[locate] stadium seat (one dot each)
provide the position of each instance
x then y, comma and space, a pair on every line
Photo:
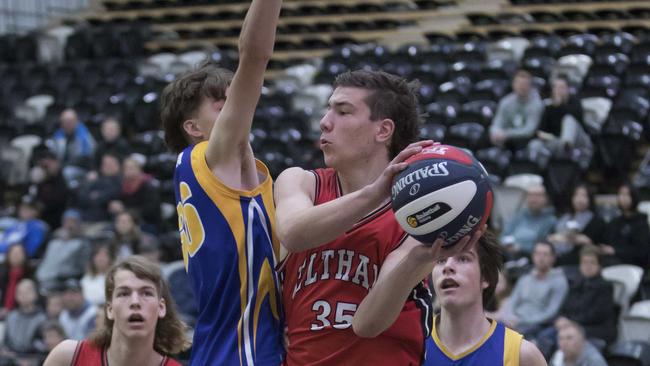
495, 160
471, 135
629, 353
433, 131
616, 144
627, 274
595, 112
508, 199
575, 66
562, 174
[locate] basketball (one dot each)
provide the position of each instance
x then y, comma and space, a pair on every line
443, 193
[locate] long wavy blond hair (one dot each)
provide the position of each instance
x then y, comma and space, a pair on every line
170, 337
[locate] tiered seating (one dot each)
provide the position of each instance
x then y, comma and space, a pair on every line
307, 29
564, 19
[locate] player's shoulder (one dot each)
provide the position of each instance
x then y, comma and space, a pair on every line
529, 354
62, 354
295, 175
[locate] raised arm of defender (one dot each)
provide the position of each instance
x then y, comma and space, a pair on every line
229, 154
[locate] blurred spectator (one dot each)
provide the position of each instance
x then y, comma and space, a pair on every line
137, 194
560, 129
127, 234
579, 227
590, 303
54, 303
72, 142
78, 315
628, 237
67, 253
23, 324
518, 114
538, 295
13, 270
53, 334
574, 349
500, 309
112, 141
177, 277
92, 282
530, 225
50, 188
97, 190
29, 230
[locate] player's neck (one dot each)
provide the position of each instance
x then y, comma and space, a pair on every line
123, 351
355, 176
462, 329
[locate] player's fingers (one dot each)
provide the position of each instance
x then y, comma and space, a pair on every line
406, 153
422, 143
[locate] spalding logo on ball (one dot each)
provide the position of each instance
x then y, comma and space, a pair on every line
443, 193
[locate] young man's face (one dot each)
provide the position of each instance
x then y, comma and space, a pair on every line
457, 280
347, 133
135, 306
209, 110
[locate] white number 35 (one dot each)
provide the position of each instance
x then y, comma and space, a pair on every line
342, 319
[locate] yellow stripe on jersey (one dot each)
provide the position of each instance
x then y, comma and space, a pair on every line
214, 188
511, 347
441, 346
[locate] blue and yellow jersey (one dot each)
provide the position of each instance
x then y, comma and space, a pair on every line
230, 250
499, 347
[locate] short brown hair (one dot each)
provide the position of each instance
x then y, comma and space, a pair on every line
170, 336
490, 259
180, 100
390, 97
590, 250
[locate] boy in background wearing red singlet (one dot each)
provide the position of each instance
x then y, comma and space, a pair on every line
341, 234
141, 326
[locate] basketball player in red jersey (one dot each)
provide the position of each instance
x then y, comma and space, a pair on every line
141, 326
340, 232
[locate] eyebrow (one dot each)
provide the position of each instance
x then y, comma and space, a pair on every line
340, 104
146, 287
469, 252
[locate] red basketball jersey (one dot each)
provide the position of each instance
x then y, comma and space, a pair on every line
324, 286
87, 354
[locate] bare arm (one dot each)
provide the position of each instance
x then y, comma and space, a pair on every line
402, 270
302, 226
228, 153
529, 355
62, 354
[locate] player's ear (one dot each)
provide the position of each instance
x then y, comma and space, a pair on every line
109, 311
484, 284
191, 127
385, 130
162, 308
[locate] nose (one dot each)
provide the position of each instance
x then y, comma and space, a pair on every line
134, 299
449, 266
325, 123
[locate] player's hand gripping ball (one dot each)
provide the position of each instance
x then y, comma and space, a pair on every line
443, 193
